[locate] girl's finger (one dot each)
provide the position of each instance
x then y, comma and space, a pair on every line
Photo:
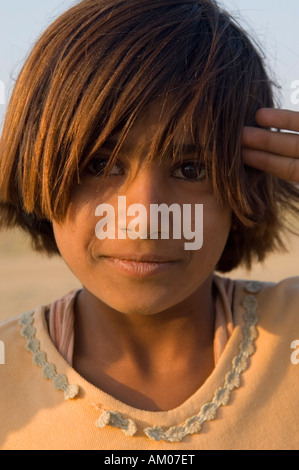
280, 166
278, 118
279, 143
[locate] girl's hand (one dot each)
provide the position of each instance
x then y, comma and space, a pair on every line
271, 151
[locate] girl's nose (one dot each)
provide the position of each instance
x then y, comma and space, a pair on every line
144, 193
148, 186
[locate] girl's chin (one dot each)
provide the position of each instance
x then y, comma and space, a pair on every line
139, 301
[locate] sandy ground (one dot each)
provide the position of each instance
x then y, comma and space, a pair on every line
28, 279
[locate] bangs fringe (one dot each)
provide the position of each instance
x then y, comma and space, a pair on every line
96, 71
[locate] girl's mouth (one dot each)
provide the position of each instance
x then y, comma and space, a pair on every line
137, 268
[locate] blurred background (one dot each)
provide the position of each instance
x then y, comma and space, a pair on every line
28, 279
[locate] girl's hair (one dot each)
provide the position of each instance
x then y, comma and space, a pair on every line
97, 69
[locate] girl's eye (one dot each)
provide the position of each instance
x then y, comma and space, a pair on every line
190, 171
97, 167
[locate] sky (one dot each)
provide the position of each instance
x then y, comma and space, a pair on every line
273, 23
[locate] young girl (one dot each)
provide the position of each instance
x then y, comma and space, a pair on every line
161, 103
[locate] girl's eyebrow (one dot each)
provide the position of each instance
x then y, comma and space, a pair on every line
109, 144
184, 148
189, 148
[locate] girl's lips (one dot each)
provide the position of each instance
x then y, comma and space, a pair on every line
139, 268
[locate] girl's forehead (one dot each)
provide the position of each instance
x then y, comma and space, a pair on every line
146, 128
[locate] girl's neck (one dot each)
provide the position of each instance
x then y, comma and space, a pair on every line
137, 358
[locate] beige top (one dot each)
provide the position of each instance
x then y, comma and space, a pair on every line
61, 320
250, 401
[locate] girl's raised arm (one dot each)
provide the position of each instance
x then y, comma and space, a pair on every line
271, 151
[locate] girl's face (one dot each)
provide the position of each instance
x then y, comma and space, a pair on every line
142, 276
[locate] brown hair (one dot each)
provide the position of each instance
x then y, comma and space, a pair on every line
96, 69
